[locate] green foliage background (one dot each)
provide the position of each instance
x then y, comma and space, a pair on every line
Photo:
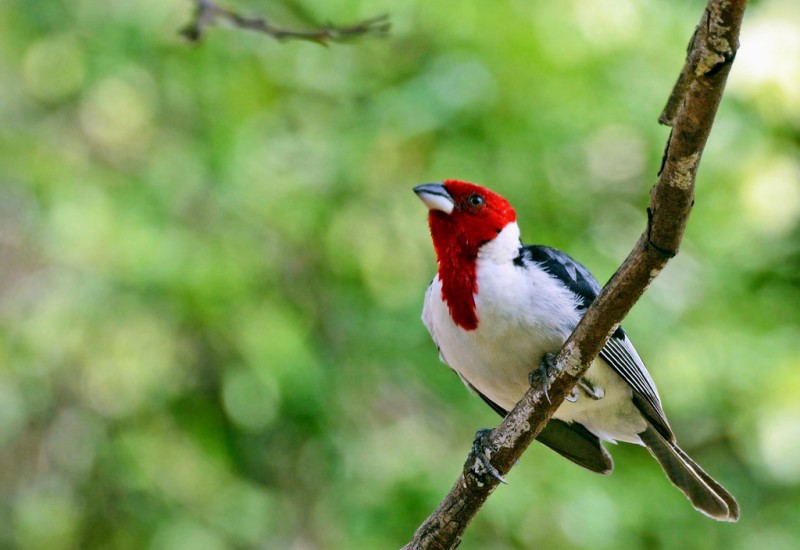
212, 267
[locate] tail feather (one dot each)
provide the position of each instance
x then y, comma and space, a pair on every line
707, 496
733, 506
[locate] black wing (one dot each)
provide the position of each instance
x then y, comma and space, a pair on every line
618, 352
561, 266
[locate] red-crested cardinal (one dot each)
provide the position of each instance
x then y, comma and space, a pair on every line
497, 308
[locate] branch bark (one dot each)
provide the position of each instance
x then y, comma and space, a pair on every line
690, 111
207, 13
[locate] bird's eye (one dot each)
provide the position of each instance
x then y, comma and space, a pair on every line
475, 200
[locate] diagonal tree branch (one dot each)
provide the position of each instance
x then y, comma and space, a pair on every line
690, 111
208, 13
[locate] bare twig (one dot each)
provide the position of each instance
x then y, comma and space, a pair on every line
207, 13
690, 111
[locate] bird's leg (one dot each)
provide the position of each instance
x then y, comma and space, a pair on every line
479, 460
547, 366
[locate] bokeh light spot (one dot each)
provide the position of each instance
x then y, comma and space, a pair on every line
117, 113
251, 401
771, 196
53, 67
779, 442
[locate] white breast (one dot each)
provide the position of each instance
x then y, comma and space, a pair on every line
523, 314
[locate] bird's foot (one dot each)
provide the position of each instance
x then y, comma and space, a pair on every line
547, 367
479, 463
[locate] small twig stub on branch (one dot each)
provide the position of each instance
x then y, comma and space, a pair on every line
208, 13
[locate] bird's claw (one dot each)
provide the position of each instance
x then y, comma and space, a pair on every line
593, 392
479, 462
546, 367
572, 396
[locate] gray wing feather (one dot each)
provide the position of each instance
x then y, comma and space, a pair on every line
622, 357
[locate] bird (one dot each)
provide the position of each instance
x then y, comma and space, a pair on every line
497, 309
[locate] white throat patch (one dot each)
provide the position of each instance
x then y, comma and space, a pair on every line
504, 247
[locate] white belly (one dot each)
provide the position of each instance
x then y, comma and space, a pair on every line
509, 343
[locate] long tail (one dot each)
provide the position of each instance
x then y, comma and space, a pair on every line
707, 496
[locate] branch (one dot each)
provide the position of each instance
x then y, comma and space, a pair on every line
208, 13
690, 112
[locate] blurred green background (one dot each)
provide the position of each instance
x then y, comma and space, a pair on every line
212, 268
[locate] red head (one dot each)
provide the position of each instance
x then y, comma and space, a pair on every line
462, 218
